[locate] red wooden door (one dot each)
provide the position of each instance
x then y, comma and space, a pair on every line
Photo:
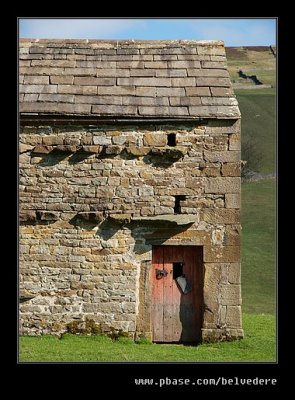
177, 314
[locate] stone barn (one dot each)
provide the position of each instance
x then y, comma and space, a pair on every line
129, 196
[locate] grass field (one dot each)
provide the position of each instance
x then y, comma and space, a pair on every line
258, 246
258, 119
258, 345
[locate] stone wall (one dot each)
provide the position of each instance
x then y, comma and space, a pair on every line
88, 196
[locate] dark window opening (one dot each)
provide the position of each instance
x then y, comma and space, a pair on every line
172, 139
177, 207
177, 269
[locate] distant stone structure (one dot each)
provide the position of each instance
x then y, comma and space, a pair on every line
129, 190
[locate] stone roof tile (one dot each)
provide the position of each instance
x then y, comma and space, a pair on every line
142, 79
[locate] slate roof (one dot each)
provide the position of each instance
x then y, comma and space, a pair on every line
160, 79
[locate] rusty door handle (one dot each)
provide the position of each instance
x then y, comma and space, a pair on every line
160, 273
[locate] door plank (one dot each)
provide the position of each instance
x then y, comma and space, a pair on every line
198, 279
157, 303
176, 294
168, 298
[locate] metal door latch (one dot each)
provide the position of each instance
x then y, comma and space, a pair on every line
160, 273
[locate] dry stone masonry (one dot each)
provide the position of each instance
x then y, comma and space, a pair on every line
125, 145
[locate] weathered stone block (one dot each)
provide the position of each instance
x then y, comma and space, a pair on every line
64, 148
91, 149
52, 140
73, 141
211, 294
220, 216
138, 151
90, 216
234, 316
217, 335
211, 171
232, 235
217, 127
102, 140
47, 216
222, 254
113, 109
27, 216
36, 80
230, 295
197, 91
222, 156
163, 210
222, 185
185, 101
146, 211
234, 273
120, 218
212, 81
85, 80
155, 139
160, 110
233, 200
235, 142
231, 169
113, 150
183, 64
23, 148
39, 149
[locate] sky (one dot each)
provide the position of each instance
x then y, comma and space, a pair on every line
234, 32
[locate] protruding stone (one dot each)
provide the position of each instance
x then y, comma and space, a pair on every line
91, 149
47, 216
65, 148
138, 151
50, 140
121, 218
23, 148
39, 149
93, 216
174, 219
155, 139
28, 216
25, 295
113, 150
168, 152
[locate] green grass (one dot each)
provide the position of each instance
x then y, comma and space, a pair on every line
258, 345
258, 246
258, 119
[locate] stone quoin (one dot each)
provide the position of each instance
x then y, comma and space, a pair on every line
129, 196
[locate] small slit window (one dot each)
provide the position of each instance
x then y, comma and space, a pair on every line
177, 269
177, 207
172, 139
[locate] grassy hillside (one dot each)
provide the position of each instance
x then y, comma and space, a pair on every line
257, 61
258, 246
258, 122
